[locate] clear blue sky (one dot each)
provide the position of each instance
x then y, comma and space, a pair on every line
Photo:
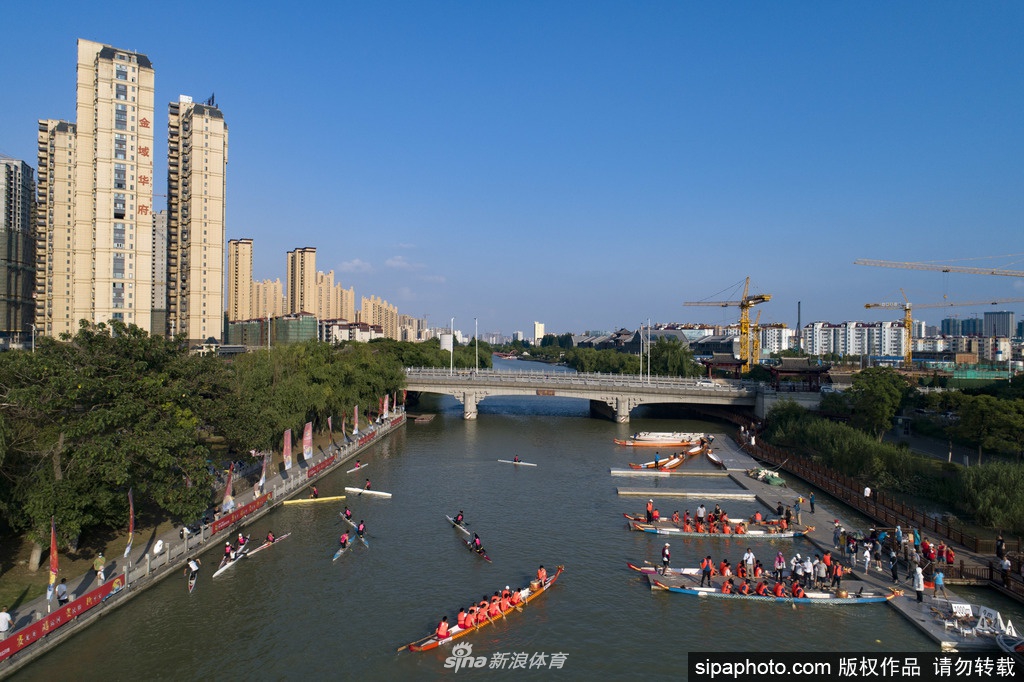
589, 165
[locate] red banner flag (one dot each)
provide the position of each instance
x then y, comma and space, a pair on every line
355, 420
229, 501
330, 428
288, 449
307, 442
53, 559
131, 524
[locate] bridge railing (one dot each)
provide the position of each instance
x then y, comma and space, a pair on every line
575, 379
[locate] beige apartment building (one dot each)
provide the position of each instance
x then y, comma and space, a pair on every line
375, 311
197, 157
241, 287
160, 326
334, 301
301, 281
95, 197
268, 299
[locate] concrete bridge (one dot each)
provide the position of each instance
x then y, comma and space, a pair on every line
611, 395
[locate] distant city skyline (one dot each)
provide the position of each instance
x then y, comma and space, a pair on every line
591, 165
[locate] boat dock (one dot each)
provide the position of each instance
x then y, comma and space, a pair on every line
661, 492
928, 615
670, 472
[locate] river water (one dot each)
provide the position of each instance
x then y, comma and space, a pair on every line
290, 613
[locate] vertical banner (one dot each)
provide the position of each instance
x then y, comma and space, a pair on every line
307, 442
53, 561
386, 399
330, 428
263, 474
355, 420
131, 524
229, 501
288, 449
405, 394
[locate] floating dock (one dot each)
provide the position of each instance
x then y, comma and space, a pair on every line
712, 495
672, 472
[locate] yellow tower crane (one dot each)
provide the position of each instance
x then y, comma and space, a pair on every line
908, 318
744, 304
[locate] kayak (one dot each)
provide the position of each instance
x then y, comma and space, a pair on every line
192, 580
535, 589
457, 525
240, 554
509, 461
482, 555
310, 500
268, 544
342, 550
363, 491
358, 468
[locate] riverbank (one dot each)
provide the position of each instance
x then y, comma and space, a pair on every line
128, 577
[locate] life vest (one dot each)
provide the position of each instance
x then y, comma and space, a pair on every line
706, 565
722, 567
650, 507
470, 619
515, 598
442, 629
726, 529
761, 589
798, 591
758, 571
778, 590
462, 619
542, 575
687, 527
675, 518
505, 604
744, 589
740, 529
757, 517
741, 571
726, 588
656, 516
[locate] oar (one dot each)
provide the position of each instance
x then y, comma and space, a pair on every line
418, 641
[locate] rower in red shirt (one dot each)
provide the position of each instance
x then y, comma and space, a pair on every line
442, 629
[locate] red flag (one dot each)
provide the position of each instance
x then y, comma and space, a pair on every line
53, 559
330, 428
287, 454
131, 523
307, 441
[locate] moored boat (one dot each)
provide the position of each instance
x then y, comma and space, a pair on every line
651, 439
651, 569
535, 590
715, 459
690, 584
675, 530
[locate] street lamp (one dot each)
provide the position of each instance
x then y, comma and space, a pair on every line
476, 338
33, 338
451, 365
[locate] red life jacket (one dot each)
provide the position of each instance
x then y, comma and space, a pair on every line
442, 629
744, 589
798, 591
462, 619
778, 590
761, 589
726, 588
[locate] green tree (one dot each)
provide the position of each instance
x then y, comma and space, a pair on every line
980, 417
876, 396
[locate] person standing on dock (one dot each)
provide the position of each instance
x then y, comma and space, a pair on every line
706, 567
810, 498
940, 584
796, 511
701, 513
666, 555
919, 584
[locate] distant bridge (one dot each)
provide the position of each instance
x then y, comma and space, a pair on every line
610, 395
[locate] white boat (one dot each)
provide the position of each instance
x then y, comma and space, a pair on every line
239, 555
268, 544
363, 491
509, 461
358, 468
667, 436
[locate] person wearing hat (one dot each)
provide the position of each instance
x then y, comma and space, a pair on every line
98, 566
650, 510
665, 556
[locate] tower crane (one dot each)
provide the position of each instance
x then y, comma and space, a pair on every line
908, 319
744, 304
939, 267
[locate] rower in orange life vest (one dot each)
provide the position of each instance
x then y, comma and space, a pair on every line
461, 622
675, 517
481, 609
798, 591
650, 510
516, 598
727, 586
470, 618
344, 540
761, 589
745, 587
442, 628
495, 608
542, 575
656, 516
506, 600
778, 590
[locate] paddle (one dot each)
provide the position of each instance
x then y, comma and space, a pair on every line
418, 641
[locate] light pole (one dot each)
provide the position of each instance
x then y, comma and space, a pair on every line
33, 338
451, 365
476, 338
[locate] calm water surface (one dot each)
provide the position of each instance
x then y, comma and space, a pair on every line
290, 613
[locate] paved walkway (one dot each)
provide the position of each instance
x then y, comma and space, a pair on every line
144, 568
923, 615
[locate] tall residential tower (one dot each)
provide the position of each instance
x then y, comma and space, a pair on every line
197, 157
17, 250
95, 197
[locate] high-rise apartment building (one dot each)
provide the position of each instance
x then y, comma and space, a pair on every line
160, 325
375, 311
95, 197
538, 333
268, 299
17, 250
999, 323
240, 283
334, 302
197, 157
301, 281
94, 214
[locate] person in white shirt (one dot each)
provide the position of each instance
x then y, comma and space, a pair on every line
5, 621
62, 592
749, 560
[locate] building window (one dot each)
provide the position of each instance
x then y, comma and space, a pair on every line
120, 146
119, 205
119, 176
118, 266
121, 116
121, 91
117, 299
118, 235
121, 72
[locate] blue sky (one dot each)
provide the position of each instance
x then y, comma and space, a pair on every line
590, 165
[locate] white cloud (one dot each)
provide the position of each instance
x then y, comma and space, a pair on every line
400, 263
355, 265
436, 279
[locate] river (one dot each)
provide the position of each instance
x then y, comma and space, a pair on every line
290, 613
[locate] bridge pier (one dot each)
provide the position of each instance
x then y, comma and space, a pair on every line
623, 406
469, 401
